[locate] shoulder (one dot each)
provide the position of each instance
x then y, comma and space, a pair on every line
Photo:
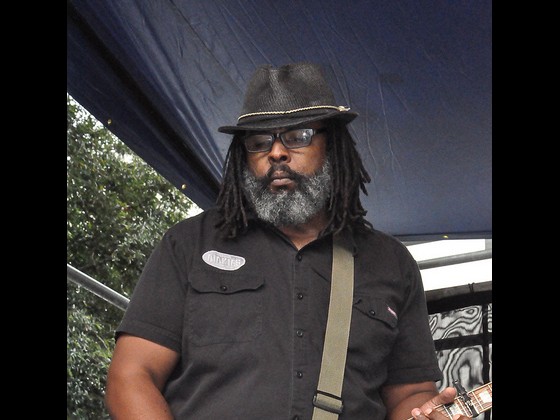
382, 246
207, 219
378, 238
188, 230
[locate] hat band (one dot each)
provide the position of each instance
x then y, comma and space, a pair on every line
307, 108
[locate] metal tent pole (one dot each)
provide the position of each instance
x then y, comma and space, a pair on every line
96, 287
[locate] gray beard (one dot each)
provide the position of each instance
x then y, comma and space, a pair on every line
289, 208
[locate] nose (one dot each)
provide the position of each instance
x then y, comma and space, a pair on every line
278, 152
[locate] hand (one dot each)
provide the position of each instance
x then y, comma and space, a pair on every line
427, 411
435, 415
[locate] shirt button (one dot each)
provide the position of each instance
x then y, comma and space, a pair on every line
299, 374
295, 418
223, 288
300, 296
299, 257
371, 312
299, 333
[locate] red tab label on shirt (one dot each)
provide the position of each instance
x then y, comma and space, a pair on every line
392, 312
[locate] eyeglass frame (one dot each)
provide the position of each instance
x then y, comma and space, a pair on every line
280, 136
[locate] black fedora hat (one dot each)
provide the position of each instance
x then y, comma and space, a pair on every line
287, 96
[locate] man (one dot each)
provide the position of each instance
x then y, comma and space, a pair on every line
228, 319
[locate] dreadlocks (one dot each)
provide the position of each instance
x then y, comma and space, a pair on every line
232, 203
349, 176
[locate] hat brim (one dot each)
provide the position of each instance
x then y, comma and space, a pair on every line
263, 124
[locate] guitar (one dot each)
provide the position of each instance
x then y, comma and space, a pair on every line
469, 404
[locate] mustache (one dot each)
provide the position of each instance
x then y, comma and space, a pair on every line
280, 167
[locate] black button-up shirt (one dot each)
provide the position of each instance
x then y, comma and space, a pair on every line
248, 317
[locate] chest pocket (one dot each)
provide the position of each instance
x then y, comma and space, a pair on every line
373, 332
376, 309
224, 307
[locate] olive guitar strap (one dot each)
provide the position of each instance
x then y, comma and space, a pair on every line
327, 401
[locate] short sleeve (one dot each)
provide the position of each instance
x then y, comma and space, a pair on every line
413, 358
156, 307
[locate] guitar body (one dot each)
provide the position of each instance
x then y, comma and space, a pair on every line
475, 402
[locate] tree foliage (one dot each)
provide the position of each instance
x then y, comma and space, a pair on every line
118, 207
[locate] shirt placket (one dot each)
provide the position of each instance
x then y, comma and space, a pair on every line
300, 372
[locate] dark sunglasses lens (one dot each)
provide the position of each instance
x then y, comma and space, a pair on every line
297, 138
291, 139
258, 142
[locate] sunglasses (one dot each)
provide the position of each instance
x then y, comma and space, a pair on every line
292, 139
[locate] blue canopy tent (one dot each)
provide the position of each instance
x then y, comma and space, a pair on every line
163, 75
